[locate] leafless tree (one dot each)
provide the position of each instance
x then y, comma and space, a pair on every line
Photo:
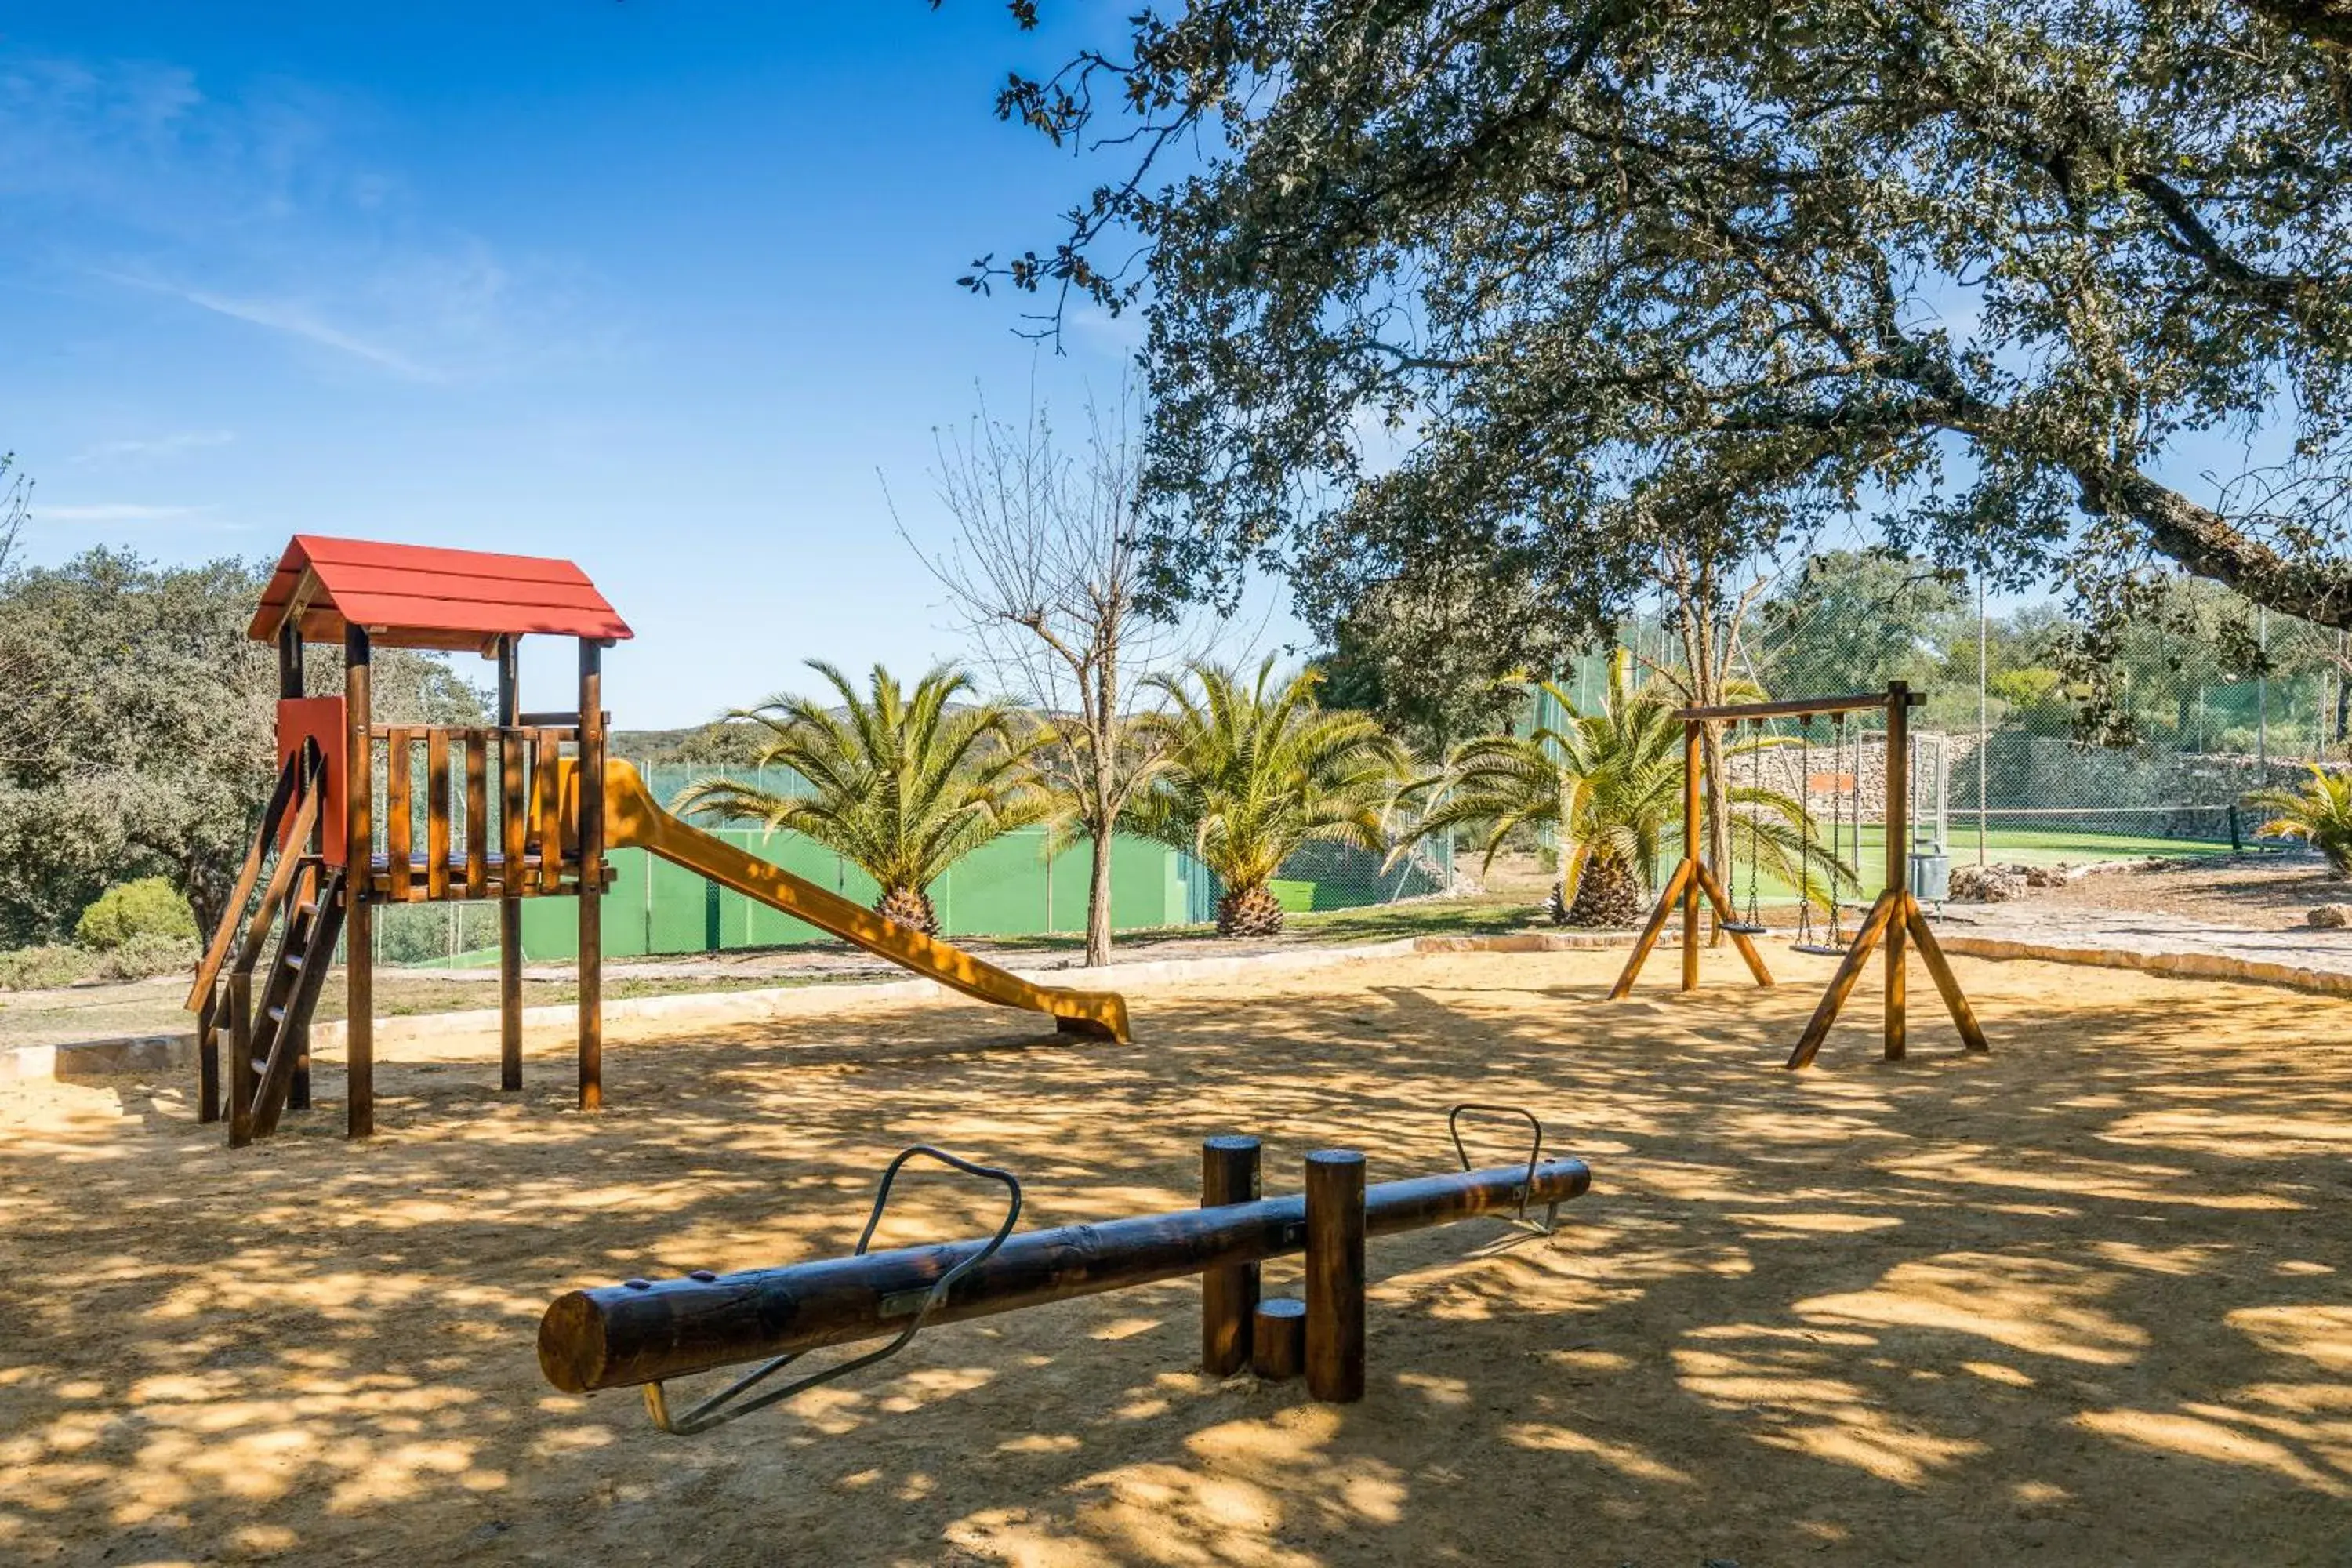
1708, 608
16, 506
1043, 574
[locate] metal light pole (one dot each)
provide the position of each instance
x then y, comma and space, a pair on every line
1984, 722
2263, 695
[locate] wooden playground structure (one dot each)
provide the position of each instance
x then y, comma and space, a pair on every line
643, 1333
1895, 914
526, 807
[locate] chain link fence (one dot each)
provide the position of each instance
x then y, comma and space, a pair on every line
2204, 701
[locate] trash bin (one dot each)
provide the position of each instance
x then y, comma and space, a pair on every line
1931, 875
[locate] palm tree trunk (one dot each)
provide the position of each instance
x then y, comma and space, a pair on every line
908, 907
1249, 912
1610, 894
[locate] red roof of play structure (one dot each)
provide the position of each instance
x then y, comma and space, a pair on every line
409, 595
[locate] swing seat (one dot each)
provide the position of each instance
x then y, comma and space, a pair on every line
1744, 928
1821, 948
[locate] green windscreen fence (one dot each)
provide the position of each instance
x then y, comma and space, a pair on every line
1011, 888
1005, 888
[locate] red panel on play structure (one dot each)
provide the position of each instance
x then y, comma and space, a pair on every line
319, 719
411, 596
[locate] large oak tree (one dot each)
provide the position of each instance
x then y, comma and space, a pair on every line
1699, 270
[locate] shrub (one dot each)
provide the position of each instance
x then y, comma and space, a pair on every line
412, 933
37, 968
2320, 814
150, 906
147, 954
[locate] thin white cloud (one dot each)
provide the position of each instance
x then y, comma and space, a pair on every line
147, 449
115, 511
288, 316
266, 202
1121, 334
292, 317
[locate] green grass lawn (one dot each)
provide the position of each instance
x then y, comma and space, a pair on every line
2002, 846
2046, 846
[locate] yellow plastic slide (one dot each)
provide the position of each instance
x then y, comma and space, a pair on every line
633, 819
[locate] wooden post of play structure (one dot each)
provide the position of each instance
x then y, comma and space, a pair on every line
592, 875
359, 919
1229, 1172
1335, 1276
1691, 754
1278, 1339
1899, 857
510, 867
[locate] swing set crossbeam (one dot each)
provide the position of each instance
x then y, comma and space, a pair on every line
1796, 708
1895, 922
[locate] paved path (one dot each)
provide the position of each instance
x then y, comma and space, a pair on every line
2155, 941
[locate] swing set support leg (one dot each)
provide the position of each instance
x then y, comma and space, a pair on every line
1896, 914
1940, 969
1725, 919
1691, 879
1849, 971
1651, 931
1691, 829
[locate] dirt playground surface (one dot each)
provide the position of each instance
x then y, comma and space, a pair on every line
2079, 1302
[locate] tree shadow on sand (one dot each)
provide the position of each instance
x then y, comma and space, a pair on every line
2080, 1296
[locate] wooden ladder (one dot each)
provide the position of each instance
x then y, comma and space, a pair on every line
269, 1042
303, 902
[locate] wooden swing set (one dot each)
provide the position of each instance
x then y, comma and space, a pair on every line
1895, 918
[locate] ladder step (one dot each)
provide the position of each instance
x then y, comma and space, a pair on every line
295, 960
278, 1014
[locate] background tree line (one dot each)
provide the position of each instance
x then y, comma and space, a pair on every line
138, 735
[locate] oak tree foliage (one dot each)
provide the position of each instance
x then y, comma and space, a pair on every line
1538, 286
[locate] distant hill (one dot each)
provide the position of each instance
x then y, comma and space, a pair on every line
704, 743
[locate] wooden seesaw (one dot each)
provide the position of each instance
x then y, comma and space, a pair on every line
644, 1332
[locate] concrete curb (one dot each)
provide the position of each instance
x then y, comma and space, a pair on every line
96, 1059
2171, 965
168, 1053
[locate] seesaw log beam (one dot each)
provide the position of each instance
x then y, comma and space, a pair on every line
616, 1336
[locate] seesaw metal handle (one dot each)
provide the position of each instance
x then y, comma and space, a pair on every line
1534, 1156
731, 1401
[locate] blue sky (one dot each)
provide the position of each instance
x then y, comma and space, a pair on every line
656, 285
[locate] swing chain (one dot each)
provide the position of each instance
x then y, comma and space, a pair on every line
1832, 943
1753, 924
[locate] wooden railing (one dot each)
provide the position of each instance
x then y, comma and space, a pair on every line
492, 817
272, 818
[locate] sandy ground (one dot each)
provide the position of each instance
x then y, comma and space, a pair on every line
158, 1006
2081, 1301
94, 1010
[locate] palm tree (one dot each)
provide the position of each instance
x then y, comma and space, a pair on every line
2320, 814
1248, 773
902, 784
1609, 786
